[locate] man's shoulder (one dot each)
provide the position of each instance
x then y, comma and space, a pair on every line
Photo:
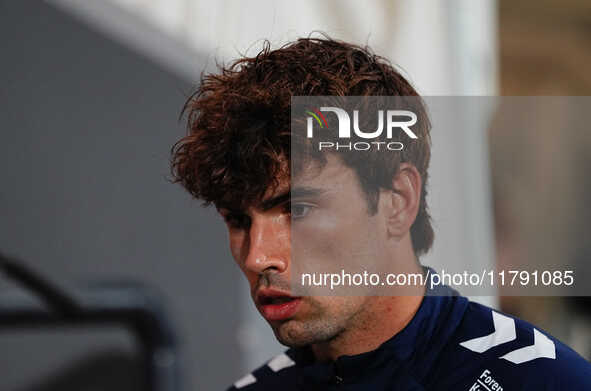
490, 347
277, 373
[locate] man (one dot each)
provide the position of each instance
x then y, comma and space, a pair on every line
243, 155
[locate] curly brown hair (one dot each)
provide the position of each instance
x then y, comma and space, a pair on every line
239, 123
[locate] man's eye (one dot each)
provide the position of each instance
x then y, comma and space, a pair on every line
300, 210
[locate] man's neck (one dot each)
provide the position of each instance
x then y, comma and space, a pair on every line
382, 318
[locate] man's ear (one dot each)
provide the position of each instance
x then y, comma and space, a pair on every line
403, 200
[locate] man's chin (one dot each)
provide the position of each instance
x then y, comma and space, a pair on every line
291, 334
295, 334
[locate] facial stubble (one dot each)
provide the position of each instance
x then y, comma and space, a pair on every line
318, 324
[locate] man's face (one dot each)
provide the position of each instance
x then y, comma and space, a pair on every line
327, 212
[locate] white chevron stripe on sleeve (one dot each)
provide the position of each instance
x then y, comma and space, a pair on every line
246, 380
504, 332
542, 347
280, 362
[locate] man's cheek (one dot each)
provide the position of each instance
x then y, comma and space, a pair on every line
236, 247
235, 254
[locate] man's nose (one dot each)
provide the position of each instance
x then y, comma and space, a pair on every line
268, 246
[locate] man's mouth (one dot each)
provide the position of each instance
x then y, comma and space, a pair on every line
276, 305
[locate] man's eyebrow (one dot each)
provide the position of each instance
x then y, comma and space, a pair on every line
306, 191
274, 201
298, 192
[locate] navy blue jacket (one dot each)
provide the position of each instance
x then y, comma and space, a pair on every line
450, 344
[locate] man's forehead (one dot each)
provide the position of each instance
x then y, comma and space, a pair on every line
278, 188
280, 185
314, 179
321, 173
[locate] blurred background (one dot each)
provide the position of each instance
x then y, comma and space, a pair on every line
91, 97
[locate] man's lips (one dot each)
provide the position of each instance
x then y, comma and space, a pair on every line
276, 305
